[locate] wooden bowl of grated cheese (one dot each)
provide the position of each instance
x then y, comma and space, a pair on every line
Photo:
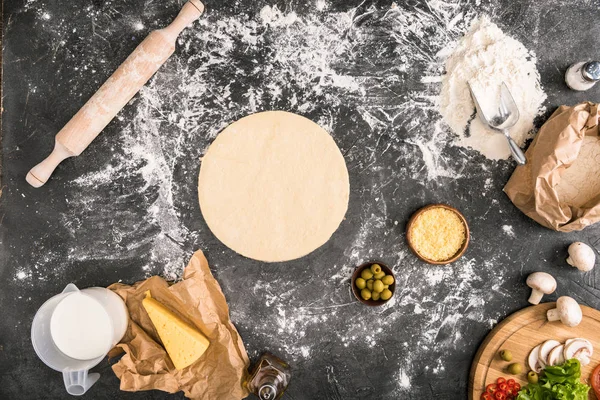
438, 234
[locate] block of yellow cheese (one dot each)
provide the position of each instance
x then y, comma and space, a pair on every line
183, 342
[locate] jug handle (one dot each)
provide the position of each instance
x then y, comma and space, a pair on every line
78, 382
70, 288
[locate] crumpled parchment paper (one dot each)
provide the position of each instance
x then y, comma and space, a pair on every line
556, 146
218, 374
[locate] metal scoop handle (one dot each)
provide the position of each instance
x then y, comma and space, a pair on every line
516, 151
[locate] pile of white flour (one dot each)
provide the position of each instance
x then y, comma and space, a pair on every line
486, 57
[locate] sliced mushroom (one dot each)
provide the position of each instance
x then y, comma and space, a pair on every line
568, 341
535, 364
545, 349
579, 349
556, 356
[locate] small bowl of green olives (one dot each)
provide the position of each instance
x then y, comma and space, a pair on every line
373, 283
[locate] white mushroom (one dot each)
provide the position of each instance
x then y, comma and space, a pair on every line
580, 349
545, 350
540, 283
581, 256
567, 311
556, 357
535, 364
569, 341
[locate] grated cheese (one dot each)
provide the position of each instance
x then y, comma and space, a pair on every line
437, 234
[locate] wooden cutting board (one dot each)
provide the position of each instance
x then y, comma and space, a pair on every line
520, 333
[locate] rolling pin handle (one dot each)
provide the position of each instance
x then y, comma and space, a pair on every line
191, 11
40, 174
199, 5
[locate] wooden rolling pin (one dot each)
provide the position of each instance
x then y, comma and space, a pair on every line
112, 96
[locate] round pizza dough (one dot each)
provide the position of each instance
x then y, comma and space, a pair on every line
273, 186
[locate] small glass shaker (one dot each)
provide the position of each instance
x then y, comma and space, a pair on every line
583, 75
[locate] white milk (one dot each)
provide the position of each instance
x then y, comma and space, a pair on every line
81, 328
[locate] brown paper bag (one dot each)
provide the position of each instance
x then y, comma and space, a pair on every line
556, 146
218, 374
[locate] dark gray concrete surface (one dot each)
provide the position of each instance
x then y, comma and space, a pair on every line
123, 213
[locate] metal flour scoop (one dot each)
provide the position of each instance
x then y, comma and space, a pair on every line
506, 117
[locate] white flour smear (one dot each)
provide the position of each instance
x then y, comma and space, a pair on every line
508, 230
485, 57
437, 304
309, 65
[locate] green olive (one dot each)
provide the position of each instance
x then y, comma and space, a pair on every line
387, 280
370, 285
532, 377
366, 274
360, 283
365, 294
378, 286
506, 355
375, 296
375, 268
379, 275
515, 368
386, 294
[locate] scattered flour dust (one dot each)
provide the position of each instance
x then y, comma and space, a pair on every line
508, 230
580, 182
22, 275
315, 65
485, 57
309, 64
403, 379
437, 304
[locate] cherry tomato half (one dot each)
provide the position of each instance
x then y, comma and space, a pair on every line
486, 396
511, 383
500, 395
491, 388
500, 380
503, 386
595, 381
517, 386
